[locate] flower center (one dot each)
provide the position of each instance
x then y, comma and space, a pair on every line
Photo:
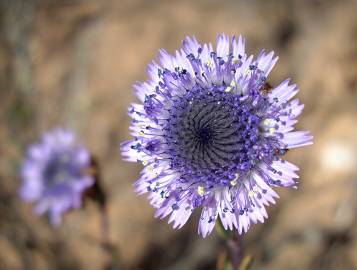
204, 135
211, 131
59, 170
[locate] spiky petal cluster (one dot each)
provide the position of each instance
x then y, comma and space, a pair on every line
53, 174
211, 133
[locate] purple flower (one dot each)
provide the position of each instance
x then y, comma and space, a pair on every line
53, 174
211, 133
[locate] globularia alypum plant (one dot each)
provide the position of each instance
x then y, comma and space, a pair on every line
54, 174
210, 130
211, 133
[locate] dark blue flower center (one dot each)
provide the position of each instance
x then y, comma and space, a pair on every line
59, 169
214, 134
204, 135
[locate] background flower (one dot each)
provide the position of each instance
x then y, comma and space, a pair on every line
211, 132
53, 174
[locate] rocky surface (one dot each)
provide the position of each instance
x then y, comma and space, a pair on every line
72, 63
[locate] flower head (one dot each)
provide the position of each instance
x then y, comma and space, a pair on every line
211, 132
53, 174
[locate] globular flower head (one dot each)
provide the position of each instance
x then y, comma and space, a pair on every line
211, 132
53, 174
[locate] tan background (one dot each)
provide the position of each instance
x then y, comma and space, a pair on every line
72, 63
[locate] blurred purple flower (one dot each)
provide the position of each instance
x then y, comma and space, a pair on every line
53, 174
211, 133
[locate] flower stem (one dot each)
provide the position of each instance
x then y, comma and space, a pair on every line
235, 259
97, 194
235, 251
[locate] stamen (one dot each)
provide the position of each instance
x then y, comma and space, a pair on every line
144, 162
201, 190
272, 130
